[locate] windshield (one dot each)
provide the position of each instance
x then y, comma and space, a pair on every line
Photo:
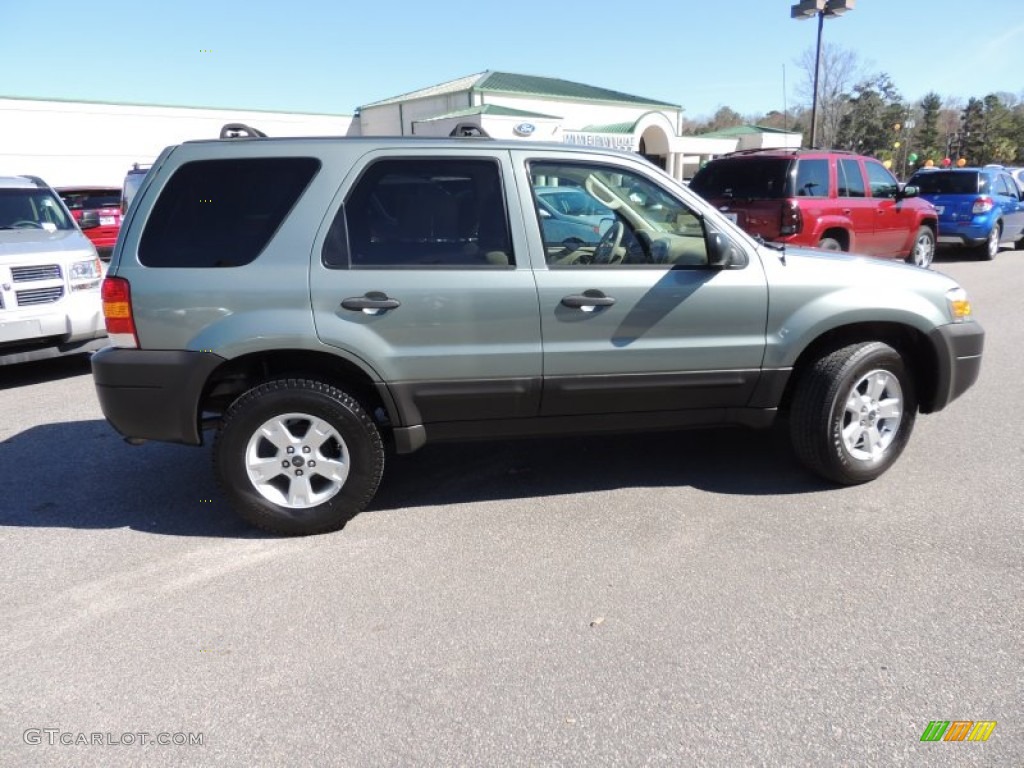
32, 208
749, 178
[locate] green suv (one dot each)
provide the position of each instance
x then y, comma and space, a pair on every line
320, 302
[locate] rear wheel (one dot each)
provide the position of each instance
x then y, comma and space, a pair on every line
923, 252
988, 250
853, 412
298, 457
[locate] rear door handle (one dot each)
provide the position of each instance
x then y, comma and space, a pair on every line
372, 303
587, 301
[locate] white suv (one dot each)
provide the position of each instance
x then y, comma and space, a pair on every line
50, 276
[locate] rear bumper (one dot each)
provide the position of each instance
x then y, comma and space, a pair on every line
958, 349
153, 394
970, 233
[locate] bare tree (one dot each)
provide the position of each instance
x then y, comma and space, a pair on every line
840, 70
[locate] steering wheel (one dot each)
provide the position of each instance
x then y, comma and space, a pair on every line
25, 224
607, 249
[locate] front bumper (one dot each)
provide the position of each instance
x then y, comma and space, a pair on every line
958, 349
153, 394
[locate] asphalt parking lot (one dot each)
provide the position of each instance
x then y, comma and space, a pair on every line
679, 599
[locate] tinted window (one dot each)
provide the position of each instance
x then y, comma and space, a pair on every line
811, 178
883, 183
946, 182
762, 178
222, 213
851, 180
1003, 187
91, 199
423, 213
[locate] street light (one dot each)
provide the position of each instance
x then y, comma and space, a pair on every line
808, 9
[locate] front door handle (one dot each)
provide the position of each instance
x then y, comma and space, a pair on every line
372, 303
587, 301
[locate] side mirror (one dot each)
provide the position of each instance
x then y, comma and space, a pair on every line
89, 220
723, 252
544, 214
908, 190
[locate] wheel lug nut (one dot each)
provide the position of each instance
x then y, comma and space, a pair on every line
305, 449
298, 473
311, 463
291, 449
286, 463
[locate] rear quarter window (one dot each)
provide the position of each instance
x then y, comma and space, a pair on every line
222, 213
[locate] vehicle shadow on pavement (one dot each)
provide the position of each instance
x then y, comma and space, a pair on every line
38, 371
91, 479
728, 461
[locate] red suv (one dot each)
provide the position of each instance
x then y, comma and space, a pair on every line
98, 213
823, 198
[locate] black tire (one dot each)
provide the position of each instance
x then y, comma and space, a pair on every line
820, 412
987, 251
922, 253
347, 442
830, 244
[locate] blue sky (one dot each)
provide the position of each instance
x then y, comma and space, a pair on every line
317, 56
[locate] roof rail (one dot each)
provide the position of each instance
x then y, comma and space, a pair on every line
240, 131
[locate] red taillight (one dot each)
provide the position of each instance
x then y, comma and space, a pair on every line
792, 221
982, 205
117, 311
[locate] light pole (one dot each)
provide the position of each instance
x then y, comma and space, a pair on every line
808, 9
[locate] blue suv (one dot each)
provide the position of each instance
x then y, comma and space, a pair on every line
979, 208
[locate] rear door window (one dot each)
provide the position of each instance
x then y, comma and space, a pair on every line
222, 213
851, 180
417, 213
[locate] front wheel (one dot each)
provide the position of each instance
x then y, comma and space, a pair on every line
830, 244
853, 412
298, 457
923, 252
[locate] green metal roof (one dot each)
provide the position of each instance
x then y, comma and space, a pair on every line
489, 109
63, 100
744, 130
552, 87
610, 128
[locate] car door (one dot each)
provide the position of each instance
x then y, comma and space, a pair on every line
1008, 198
856, 205
895, 222
641, 322
418, 270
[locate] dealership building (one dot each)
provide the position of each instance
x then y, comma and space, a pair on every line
74, 142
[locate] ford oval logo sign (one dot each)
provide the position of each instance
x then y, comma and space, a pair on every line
524, 129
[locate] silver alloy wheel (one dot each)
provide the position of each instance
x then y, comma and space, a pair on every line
297, 461
992, 244
873, 412
924, 250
